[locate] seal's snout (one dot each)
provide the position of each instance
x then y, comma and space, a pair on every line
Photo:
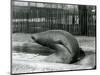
33, 38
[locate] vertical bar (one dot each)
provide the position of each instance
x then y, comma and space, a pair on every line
49, 15
68, 20
73, 20
36, 17
45, 16
63, 14
58, 21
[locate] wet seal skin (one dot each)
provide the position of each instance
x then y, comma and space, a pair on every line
66, 46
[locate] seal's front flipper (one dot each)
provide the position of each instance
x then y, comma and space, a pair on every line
61, 55
62, 43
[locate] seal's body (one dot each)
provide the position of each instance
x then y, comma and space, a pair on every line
66, 46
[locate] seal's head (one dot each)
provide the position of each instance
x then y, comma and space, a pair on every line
38, 40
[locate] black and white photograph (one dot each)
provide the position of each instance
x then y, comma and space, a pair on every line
52, 37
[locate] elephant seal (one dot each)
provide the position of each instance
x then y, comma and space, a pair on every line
66, 47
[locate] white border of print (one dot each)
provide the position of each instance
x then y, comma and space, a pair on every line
5, 37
